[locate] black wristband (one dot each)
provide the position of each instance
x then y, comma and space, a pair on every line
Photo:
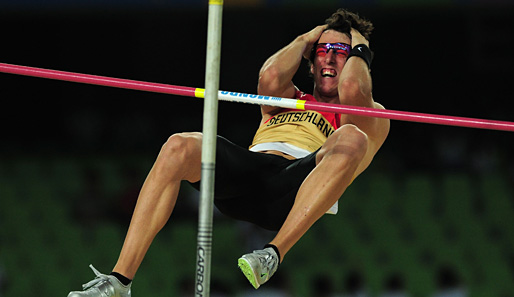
362, 51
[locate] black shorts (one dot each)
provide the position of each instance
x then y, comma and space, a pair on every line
256, 187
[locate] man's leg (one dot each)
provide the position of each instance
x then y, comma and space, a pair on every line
336, 164
179, 159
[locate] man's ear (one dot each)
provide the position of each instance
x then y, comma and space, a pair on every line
312, 68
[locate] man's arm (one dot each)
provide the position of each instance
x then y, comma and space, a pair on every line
355, 88
275, 76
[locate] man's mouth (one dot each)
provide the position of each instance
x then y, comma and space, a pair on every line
326, 72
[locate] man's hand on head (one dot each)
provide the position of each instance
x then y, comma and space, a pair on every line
357, 38
310, 38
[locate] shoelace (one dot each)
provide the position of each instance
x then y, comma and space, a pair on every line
99, 278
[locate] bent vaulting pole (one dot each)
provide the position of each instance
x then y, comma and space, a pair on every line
210, 118
255, 99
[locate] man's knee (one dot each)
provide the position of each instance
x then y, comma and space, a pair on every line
348, 143
180, 157
356, 137
182, 146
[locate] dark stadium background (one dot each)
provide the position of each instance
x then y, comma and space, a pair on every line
434, 210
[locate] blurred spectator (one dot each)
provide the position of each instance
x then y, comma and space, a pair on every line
395, 286
322, 286
449, 284
354, 285
220, 288
187, 286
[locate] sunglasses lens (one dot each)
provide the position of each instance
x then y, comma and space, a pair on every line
340, 49
321, 50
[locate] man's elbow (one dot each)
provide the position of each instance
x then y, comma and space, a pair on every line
269, 81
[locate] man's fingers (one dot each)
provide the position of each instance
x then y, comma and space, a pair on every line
312, 37
357, 37
316, 32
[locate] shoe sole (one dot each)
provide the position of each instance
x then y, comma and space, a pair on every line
247, 270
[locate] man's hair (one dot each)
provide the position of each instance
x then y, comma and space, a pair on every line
343, 21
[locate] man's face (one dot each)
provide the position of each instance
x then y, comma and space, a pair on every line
329, 61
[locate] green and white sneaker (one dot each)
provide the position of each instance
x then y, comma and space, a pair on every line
259, 266
103, 286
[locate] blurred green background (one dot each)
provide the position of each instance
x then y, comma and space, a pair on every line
433, 214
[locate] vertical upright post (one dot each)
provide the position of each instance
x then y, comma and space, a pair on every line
210, 117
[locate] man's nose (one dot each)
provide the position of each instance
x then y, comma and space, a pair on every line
330, 56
